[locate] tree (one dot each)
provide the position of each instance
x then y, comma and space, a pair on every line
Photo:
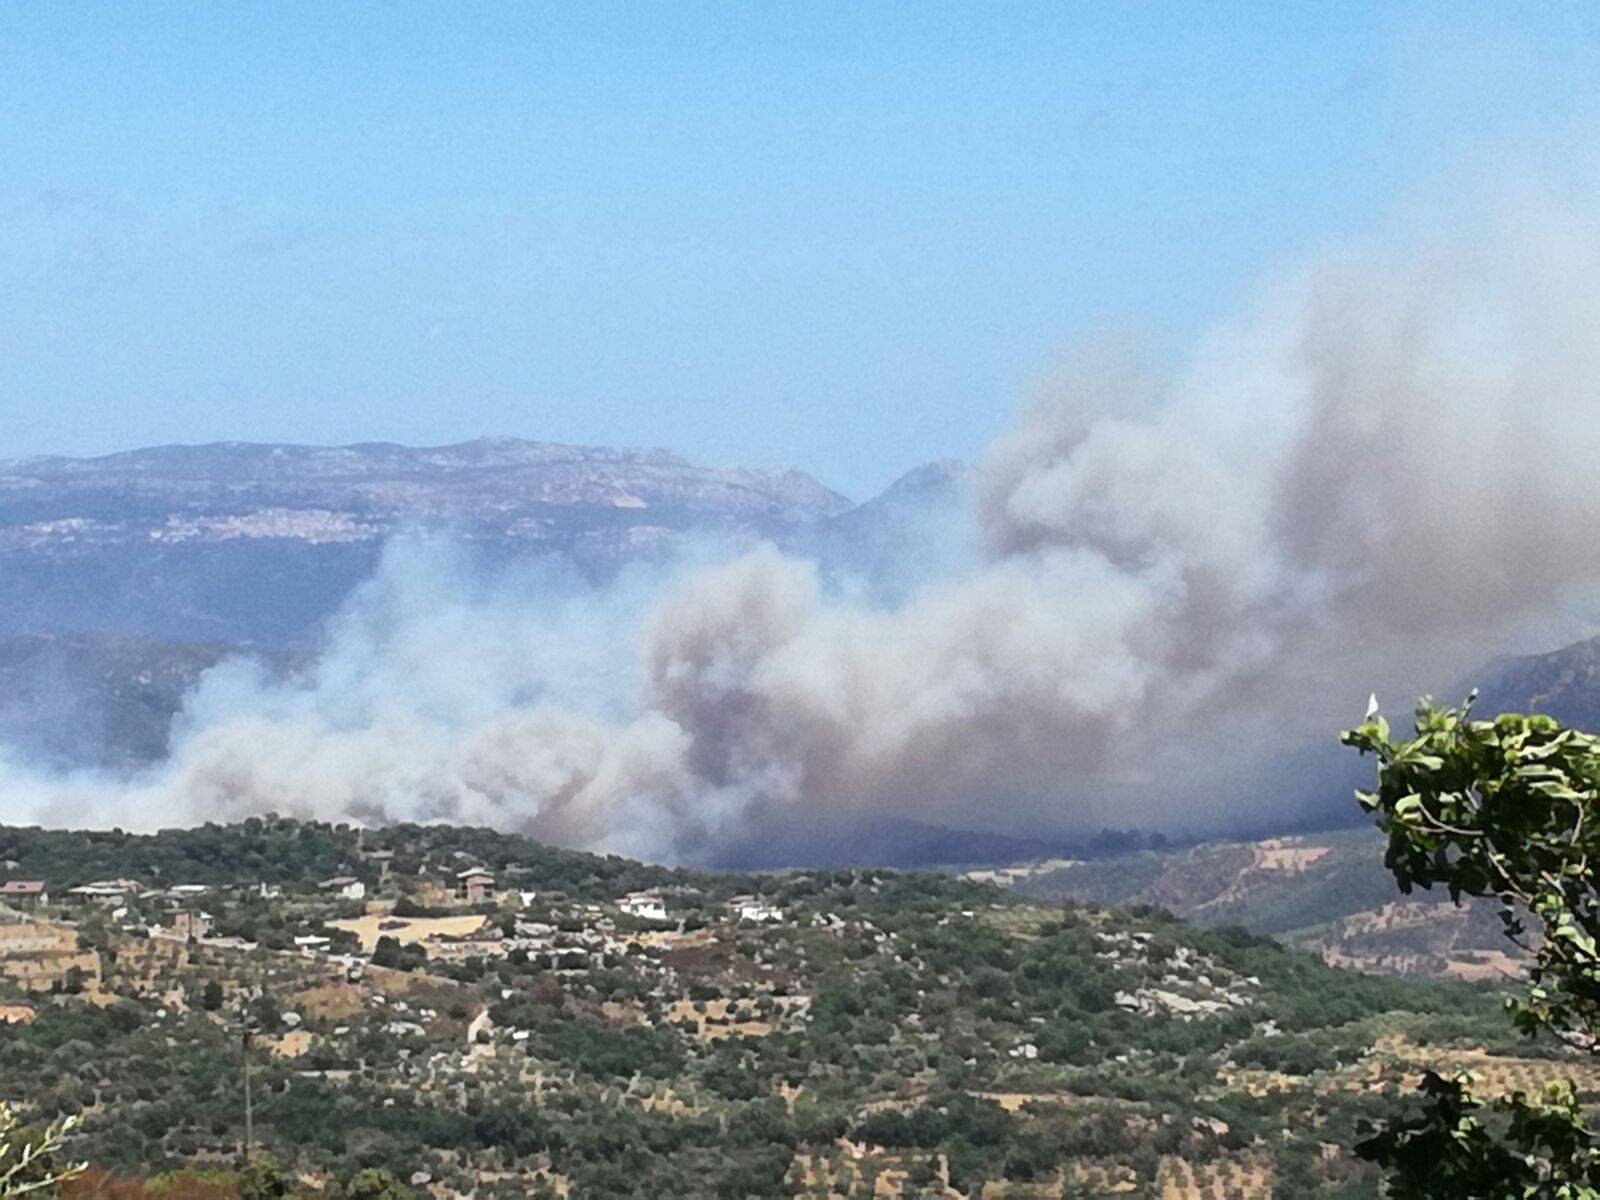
386, 952
30, 1159
376, 1184
211, 996
264, 1179
1508, 810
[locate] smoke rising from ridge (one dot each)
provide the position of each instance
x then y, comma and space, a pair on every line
1380, 476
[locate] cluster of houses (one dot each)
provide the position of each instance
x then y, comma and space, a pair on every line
651, 906
107, 893
569, 950
111, 893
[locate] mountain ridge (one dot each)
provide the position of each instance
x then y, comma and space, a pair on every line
260, 542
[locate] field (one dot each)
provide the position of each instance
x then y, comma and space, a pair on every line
405, 930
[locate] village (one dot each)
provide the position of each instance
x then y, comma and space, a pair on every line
48, 933
482, 1015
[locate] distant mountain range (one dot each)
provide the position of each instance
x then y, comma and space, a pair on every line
123, 577
237, 543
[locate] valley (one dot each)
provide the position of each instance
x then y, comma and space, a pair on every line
1325, 893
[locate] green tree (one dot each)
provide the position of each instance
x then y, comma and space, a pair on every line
386, 952
1508, 810
264, 1179
376, 1184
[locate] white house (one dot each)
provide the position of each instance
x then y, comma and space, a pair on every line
107, 893
753, 908
646, 905
347, 886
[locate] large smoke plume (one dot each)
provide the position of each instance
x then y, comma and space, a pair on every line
1379, 476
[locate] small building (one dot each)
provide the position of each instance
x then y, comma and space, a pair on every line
24, 891
645, 905
105, 893
486, 941
753, 908
347, 887
475, 885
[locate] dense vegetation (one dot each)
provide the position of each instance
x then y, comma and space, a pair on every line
951, 1033
1507, 810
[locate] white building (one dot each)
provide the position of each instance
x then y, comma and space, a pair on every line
646, 905
753, 908
106, 892
346, 886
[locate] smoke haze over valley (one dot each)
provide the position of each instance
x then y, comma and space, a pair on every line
1150, 604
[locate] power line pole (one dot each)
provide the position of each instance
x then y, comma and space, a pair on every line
249, 1121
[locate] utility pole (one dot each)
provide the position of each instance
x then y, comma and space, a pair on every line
249, 1116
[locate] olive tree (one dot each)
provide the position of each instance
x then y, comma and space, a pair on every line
1507, 810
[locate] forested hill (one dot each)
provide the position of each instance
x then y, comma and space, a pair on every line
480, 1015
285, 851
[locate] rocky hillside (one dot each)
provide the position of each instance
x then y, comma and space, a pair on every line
1564, 683
256, 543
1328, 893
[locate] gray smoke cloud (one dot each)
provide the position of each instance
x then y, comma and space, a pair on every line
1379, 476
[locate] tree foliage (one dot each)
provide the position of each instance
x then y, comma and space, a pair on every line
1509, 810
376, 1184
30, 1159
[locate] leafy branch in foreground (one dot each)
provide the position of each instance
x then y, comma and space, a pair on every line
29, 1159
1504, 809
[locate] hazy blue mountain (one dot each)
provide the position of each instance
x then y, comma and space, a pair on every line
122, 578
257, 543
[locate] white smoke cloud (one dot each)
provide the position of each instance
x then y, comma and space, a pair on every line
1378, 478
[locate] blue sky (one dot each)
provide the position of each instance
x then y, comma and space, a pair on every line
845, 236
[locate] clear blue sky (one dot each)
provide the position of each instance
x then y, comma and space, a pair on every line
839, 235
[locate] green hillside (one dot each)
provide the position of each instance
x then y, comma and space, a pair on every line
1328, 893
801, 1033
